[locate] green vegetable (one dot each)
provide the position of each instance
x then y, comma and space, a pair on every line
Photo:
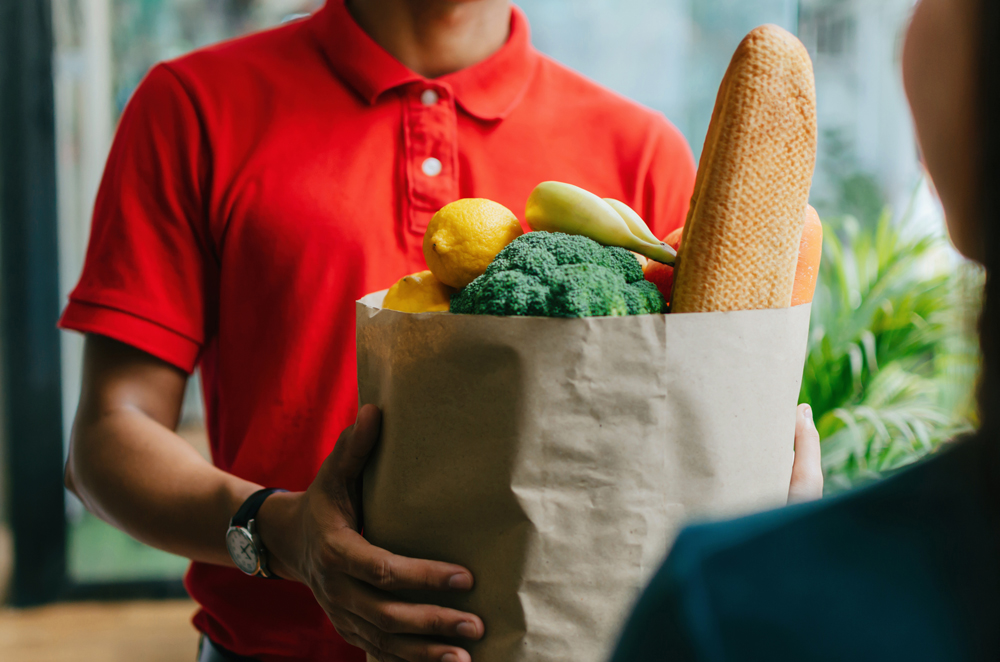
550, 274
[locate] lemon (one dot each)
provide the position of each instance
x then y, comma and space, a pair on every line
464, 237
419, 293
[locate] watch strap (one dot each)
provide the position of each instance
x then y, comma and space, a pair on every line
248, 510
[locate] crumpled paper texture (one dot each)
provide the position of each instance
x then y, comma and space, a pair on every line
557, 458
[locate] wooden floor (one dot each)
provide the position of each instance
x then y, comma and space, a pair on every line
105, 632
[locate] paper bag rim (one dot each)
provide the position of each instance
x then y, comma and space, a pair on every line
373, 302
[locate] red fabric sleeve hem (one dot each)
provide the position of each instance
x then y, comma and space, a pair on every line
163, 343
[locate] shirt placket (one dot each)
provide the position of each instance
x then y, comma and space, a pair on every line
430, 143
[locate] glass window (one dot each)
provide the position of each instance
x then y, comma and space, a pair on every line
667, 54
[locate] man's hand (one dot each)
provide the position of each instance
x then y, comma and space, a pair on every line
130, 404
313, 537
807, 470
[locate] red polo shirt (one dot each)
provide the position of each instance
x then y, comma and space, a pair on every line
257, 188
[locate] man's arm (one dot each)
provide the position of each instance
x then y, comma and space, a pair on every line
129, 468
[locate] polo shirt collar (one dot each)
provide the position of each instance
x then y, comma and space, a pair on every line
488, 90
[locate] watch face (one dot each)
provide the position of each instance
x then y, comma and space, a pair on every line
242, 549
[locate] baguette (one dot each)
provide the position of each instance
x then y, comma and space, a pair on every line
741, 239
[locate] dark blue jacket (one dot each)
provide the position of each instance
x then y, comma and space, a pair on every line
907, 569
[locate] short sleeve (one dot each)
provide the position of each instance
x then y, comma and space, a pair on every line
150, 265
669, 180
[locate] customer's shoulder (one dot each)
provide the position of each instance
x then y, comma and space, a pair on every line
914, 555
952, 479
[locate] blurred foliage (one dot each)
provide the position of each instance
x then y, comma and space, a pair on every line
893, 353
856, 193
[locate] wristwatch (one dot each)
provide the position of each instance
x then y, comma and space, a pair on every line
244, 544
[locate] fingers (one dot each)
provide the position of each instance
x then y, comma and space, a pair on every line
392, 616
384, 626
355, 444
389, 572
393, 648
807, 470
352, 577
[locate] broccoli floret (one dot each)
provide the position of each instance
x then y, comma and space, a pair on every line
644, 298
526, 257
511, 293
464, 301
569, 249
621, 262
587, 290
550, 274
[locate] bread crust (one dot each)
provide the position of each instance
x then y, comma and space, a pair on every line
741, 239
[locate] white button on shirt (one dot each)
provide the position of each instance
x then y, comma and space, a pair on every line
430, 137
429, 97
431, 167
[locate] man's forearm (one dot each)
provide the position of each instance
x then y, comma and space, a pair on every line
141, 477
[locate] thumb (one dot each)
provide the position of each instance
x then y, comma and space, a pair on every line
355, 445
807, 470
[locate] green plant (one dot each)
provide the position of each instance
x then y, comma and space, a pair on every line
892, 356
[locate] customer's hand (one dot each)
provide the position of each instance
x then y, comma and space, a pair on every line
807, 470
313, 537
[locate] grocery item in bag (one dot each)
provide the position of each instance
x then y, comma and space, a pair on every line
741, 239
557, 458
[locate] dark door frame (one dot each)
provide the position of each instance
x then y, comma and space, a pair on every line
29, 302
30, 379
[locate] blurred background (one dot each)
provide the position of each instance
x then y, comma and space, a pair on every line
892, 362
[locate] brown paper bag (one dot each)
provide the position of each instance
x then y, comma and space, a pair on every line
557, 458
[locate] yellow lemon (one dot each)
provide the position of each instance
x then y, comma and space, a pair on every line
464, 237
419, 293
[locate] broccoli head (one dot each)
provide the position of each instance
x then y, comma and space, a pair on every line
550, 274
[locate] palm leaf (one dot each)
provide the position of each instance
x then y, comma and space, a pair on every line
892, 354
